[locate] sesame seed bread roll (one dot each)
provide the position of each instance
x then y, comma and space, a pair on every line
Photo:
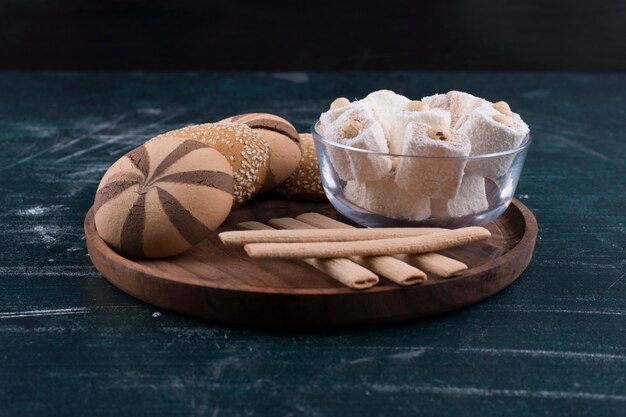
247, 153
305, 183
163, 197
282, 139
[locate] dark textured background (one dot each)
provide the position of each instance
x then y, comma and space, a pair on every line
552, 35
552, 344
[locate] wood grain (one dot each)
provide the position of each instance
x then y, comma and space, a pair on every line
217, 282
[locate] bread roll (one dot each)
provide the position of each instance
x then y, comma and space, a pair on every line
163, 197
247, 153
282, 139
305, 183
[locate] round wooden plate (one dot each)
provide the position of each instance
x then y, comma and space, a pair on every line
215, 282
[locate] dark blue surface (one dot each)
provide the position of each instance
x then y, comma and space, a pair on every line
552, 344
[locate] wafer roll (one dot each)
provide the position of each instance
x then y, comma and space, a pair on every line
342, 270
387, 266
431, 262
435, 263
241, 237
289, 223
322, 222
419, 244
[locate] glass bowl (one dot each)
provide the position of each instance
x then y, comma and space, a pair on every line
376, 189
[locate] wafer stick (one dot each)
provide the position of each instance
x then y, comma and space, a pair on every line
432, 262
323, 222
343, 270
289, 223
240, 237
436, 263
394, 269
418, 244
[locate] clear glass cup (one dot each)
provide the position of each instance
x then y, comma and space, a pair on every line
377, 189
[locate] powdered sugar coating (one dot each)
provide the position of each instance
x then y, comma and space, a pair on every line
360, 166
439, 101
487, 136
435, 178
385, 104
385, 198
471, 198
432, 117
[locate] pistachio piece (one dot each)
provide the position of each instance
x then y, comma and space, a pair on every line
351, 128
503, 107
504, 119
416, 105
339, 102
394, 164
438, 134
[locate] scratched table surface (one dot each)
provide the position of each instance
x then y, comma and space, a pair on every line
71, 344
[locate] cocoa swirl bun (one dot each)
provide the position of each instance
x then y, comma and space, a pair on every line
163, 197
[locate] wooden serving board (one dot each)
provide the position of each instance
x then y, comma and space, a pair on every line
215, 282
